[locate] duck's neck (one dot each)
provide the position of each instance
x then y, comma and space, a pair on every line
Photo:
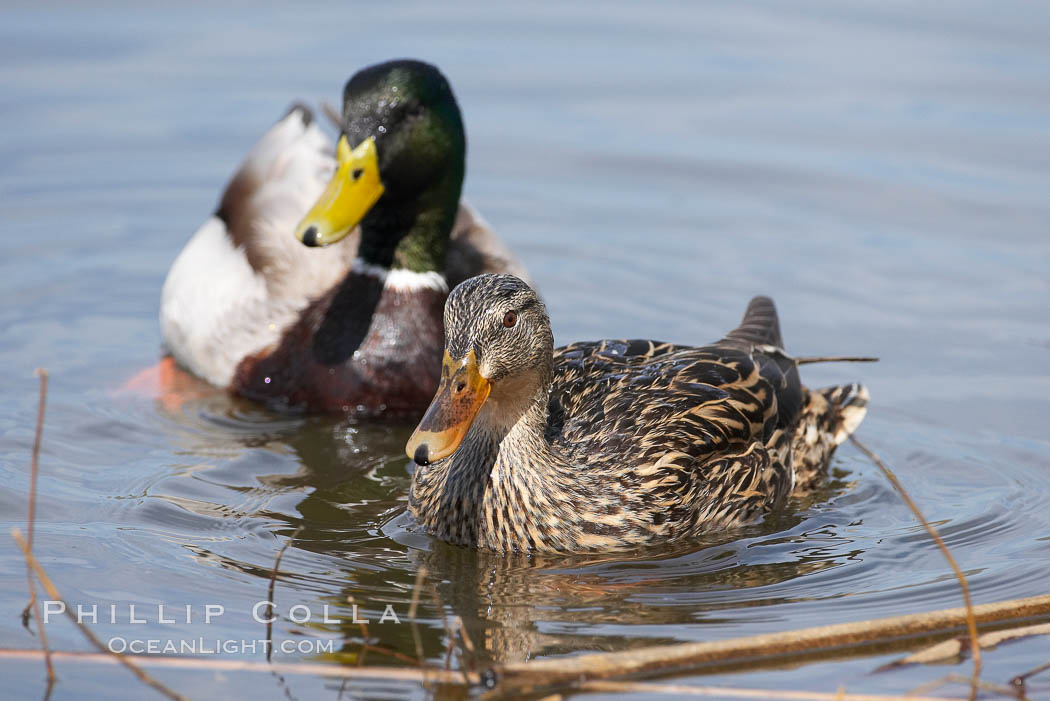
516, 427
506, 440
475, 496
412, 235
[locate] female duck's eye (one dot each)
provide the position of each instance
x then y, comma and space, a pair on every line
510, 318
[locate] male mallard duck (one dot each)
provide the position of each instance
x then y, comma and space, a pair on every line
355, 327
611, 444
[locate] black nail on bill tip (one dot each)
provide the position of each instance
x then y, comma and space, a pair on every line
422, 456
310, 236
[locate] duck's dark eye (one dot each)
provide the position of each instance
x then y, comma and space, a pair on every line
510, 318
414, 110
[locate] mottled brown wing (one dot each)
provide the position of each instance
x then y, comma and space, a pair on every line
734, 488
694, 422
708, 424
636, 397
586, 374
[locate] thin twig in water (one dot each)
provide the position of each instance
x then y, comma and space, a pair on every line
364, 631
421, 578
752, 652
944, 651
971, 620
806, 360
269, 594
467, 642
34, 469
960, 679
390, 653
444, 622
437, 604
1018, 682
362, 622
413, 607
725, 692
53, 592
467, 660
450, 645
37, 437
405, 674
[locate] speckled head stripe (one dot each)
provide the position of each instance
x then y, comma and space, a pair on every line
474, 316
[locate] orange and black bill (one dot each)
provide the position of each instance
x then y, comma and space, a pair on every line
459, 398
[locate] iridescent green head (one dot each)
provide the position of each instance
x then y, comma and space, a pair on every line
401, 159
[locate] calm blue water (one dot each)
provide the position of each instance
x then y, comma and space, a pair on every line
880, 169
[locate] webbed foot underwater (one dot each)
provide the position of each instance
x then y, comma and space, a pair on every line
611, 444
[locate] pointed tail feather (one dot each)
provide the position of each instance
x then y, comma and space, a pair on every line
760, 325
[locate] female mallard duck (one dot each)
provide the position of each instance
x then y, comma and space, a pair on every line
611, 444
356, 327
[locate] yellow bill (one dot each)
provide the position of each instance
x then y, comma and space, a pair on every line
349, 195
459, 398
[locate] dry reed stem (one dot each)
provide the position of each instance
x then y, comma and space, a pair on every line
417, 675
37, 437
754, 651
53, 592
971, 621
724, 692
269, 593
949, 649
34, 470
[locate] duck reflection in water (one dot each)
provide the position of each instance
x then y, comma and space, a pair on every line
347, 492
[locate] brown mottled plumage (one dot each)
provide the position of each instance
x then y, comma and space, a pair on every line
613, 444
